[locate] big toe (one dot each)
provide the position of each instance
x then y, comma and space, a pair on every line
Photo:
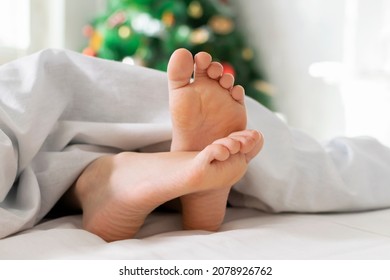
251, 142
180, 68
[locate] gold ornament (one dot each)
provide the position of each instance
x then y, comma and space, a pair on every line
221, 25
247, 54
264, 87
195, 9
168, 18
199, 36
124, 32
96, 41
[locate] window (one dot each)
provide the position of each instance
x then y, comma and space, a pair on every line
14, 28
27, 26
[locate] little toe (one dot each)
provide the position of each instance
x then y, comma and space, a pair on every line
202, 63
238, 94
227, 81
215, 70
180, 68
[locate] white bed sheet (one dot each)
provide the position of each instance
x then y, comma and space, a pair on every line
246, 234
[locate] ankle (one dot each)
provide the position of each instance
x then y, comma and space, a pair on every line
81, 189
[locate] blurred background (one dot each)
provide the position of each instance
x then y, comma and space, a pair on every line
322, 65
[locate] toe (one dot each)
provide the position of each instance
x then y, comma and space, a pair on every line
214, 152
259, 142
249, 140
238, 94
202, 63
231, 144
180, 68
227, 81
215, 70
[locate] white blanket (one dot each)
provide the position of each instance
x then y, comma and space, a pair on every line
60, 110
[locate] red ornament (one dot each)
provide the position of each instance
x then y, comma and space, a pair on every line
88, 31
89, 51
117, 19
228, 68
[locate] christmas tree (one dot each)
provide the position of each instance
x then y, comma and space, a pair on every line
146, 32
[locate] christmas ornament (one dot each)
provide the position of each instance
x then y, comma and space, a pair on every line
195, 9
247, 54
89, 51
264, 87
168, 18
170, 12
200, 36
117, 19
124, 32
221, 25
228, 68
88, 31
96, 41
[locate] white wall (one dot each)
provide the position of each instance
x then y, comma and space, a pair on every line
290, 36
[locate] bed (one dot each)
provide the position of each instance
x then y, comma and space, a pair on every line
245, 234
276, 208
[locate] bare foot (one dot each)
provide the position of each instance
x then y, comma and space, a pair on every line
205, 210
117, 192
203, 110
